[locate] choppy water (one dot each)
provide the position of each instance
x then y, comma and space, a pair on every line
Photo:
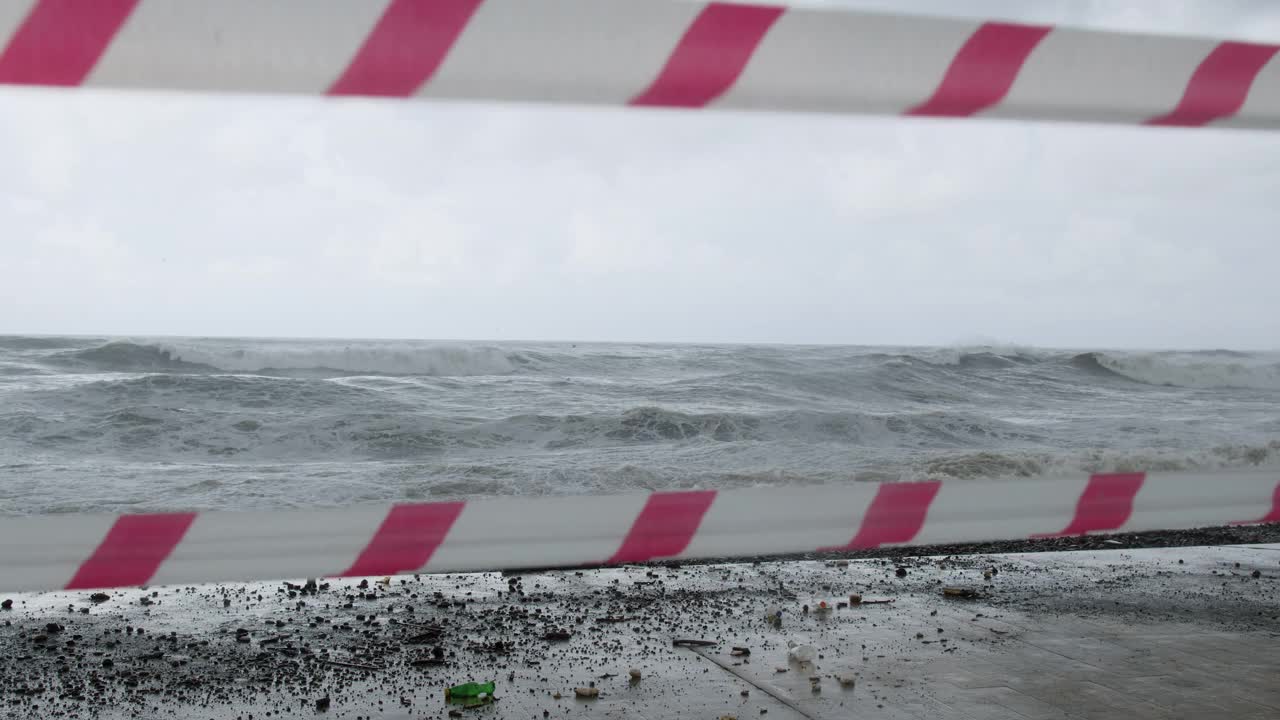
96, 424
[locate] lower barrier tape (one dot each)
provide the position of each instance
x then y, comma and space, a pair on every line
73, 552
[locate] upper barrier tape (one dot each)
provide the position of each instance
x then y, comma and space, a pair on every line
81, 552
650, 53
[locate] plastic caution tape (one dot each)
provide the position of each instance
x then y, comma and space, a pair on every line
650, 53
81, 552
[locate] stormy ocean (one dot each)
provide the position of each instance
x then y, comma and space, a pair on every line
116, 424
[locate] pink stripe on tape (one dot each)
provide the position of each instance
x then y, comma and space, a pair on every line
407, 539
665, 526
61, 40
710, 56
1220, 85
405, 48
895, 515
1274, 515
1105, 504
983, 71
132, 551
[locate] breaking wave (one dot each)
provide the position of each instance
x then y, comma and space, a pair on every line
1024, 464
129, 357
1186, 370
308, 359
177, 415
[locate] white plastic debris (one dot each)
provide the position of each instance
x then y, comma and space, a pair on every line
799, 650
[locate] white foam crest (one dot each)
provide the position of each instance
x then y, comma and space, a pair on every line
374, 359
1199, 370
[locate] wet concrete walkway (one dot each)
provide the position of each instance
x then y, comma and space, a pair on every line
1169, 633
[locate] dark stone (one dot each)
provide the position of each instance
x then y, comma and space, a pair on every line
99, 597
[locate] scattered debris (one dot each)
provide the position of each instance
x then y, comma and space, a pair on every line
356, 666
417, 635
685, 642
469, 690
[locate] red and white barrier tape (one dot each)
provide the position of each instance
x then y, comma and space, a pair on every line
651, 53
80, 552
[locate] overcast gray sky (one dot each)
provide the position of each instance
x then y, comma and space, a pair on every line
170, 214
